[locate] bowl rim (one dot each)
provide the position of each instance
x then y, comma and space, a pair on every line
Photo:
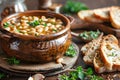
41, 37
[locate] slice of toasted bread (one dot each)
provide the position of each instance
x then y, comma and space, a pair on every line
94, 45
102, 13
109, 44
115, 17
89, 46
88, 15
110, 38
90, 52
110, 53
98, 63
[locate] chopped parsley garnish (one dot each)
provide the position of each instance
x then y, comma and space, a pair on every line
45, 24
13, 60
71, 51
40, 20
80, 74
89, 35
54, 30
34, 23
2, 75
18, 30
113, 54
73, 7
6, 25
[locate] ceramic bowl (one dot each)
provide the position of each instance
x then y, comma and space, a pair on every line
43, 48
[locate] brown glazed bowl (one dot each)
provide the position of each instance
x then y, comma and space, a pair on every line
43, 48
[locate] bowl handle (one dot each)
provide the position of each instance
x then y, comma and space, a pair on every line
71, 19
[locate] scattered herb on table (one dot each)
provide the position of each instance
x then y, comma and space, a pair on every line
71, 51
73, 7
80, 74
2, 75
13, 60
89, 35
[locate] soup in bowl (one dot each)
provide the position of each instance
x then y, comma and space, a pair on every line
35, 36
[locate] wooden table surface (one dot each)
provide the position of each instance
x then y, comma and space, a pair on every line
34, 5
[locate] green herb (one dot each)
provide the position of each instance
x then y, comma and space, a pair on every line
54, 30
73, 7
6, 25
45, 24
18, 30
71, 51
13, 60
34, 23
80, 74
64, 77
2, 75
113, 54
40, 20
89, 35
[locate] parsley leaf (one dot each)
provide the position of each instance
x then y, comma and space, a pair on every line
13, 60
54, 30
71, 51
6, 25
80, 74
34, 23
2, 75
89, 35
64, 77
45, 24
73, 7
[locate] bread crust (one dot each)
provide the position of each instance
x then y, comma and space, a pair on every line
98, 63
114, 13
88, 15
99, 55
102, 13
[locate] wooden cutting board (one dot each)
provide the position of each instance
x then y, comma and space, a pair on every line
48, 69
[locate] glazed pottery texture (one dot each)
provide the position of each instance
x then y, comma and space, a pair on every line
43, 48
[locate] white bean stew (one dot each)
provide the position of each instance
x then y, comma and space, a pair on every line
34, 25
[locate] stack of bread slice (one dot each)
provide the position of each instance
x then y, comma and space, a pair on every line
100, 15
103, 53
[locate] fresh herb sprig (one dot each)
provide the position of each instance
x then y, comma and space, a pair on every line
13, 60
73, 7
80, 74
2, 75
71, 51
89, 35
